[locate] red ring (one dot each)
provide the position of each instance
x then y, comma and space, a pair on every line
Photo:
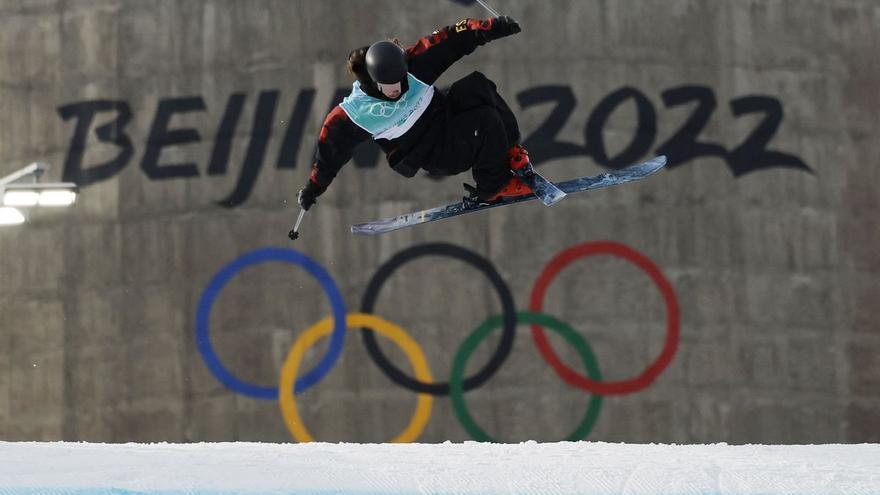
571, 376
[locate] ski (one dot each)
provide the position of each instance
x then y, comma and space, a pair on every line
615, 177
546, 191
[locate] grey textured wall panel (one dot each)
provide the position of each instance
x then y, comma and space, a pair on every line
774, 268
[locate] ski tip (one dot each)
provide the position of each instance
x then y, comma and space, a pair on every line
653, 165
375, 228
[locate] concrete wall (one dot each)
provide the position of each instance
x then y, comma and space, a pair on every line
771, 257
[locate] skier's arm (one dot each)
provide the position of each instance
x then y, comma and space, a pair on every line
433, 54
339, 136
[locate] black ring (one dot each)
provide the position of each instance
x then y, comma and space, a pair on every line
469, 257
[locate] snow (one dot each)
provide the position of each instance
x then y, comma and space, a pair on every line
467, 468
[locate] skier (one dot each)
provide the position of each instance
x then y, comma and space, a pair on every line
393, 101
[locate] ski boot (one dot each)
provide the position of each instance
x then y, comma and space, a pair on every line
518, 160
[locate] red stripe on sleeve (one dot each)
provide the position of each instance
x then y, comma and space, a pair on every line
333, 118
314, 175
427, 42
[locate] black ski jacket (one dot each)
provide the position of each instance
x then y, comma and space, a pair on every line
416, 149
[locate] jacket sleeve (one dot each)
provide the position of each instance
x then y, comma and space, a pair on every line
336, 143
433, 54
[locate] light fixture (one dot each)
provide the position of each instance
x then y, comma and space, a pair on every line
21, 198
14, 193
10, 216
54, 194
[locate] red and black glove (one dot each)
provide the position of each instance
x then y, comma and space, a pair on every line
308, 195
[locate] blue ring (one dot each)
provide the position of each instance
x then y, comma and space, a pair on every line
203, 342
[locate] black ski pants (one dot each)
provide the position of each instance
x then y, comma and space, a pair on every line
480, 128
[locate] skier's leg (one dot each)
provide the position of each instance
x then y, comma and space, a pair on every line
507, 117
475, 139
496, 160
490, 166
483, 135
475, 90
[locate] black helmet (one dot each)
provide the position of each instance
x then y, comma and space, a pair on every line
386, 62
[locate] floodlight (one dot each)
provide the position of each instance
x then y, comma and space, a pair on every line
10, 216
50, 194
15, 193
21, 198
57, 197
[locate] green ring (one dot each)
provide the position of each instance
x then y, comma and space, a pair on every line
456, 392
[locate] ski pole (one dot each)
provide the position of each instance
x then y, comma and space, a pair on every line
490, 9
294, 234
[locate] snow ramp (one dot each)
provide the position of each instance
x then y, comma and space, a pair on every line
448, 468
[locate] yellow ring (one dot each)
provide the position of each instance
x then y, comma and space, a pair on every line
286, 392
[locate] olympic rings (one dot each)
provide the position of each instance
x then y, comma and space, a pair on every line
469, 257
422, 382
386, 109
467, 348
223, 277
570, 376
308, 338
